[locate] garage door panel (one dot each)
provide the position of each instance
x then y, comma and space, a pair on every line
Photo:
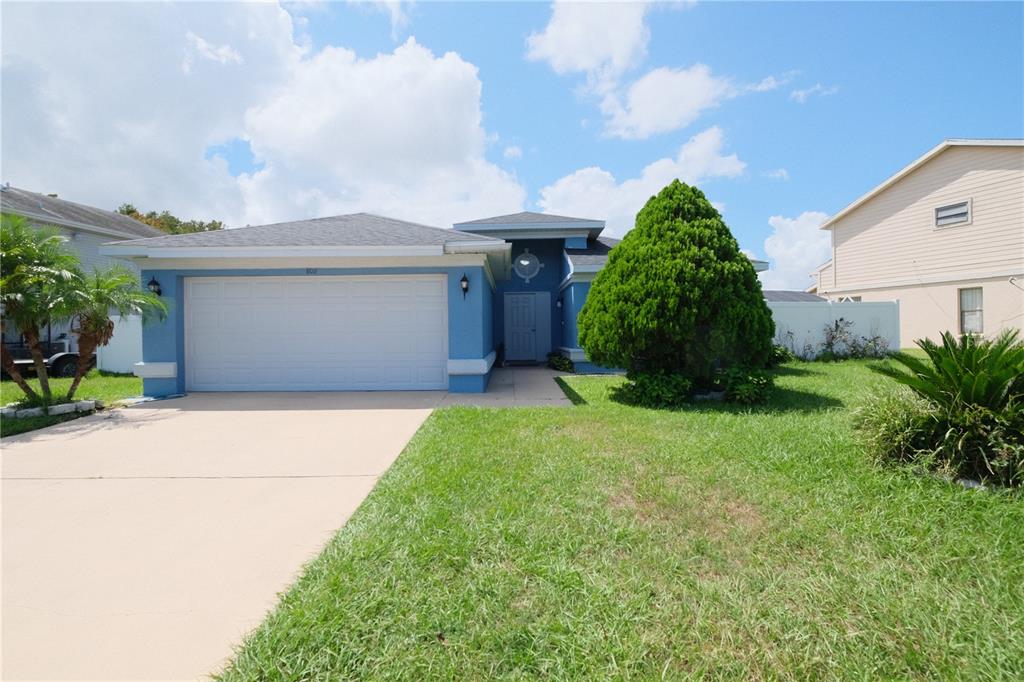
316, 333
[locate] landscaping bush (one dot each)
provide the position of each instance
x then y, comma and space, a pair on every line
677, 297
838, 343
559, 362
746, 386
842, 344
780, 354
963, 413
655, 389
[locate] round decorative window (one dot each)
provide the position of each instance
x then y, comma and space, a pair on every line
527, 265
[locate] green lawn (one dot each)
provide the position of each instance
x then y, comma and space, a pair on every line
96, 385
604, 541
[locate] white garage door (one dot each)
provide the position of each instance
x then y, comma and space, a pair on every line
381, 333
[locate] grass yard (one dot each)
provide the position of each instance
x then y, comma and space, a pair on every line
605, 541
95, 385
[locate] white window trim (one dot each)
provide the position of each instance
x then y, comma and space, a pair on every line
960, 310
970, 214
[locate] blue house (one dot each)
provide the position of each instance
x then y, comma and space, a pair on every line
364, 303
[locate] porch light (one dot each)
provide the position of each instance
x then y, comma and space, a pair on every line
154, 286
464, 283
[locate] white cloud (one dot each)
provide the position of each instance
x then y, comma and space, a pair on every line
777, 174
664, 100
334, 133
343, 122
600, 39
194, 45
802, 96
605, 40
595, 193
795, 248
397, 11
513, 152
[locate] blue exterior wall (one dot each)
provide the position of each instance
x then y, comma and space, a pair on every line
470, 318
573, 297
550, 253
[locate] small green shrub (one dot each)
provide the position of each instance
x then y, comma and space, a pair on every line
559, 362
970, 441
780, 354
657, 390
746, 386
895, 426
961, 411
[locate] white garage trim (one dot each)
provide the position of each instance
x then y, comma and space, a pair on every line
156, 370
316, 333
481, 366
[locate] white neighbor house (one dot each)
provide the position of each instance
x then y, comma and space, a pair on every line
944, 237
85, 228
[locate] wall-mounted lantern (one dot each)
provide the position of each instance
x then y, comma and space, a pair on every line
154, 286
464, 283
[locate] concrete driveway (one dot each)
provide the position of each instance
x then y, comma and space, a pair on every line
145, 542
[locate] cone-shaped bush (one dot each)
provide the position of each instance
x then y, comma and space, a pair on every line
677, 296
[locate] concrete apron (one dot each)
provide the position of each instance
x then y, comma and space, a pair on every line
144, 543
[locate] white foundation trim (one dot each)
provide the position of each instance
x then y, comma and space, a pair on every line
156, 370
463, 367
574, 354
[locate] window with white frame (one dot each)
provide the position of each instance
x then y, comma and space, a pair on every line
953, 214
971, 321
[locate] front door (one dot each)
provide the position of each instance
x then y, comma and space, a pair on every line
527, 326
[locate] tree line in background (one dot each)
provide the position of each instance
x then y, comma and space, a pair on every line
167, 222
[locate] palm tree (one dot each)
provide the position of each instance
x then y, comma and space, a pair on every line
116, 290
35, 273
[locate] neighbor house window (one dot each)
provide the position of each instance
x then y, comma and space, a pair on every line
970, 311
954, 214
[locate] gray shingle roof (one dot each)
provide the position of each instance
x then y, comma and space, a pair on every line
596, 252
356, 229
527, 218
778, 296
41, 208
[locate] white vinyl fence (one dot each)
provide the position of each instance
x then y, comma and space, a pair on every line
800, 326
125, 347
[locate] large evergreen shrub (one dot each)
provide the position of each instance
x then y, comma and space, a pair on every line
677, 296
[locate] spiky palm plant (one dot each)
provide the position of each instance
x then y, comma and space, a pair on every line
966, 371
96, 296
971, 421
36, 273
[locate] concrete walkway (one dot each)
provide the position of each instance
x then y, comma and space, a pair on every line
515, 387
144, 543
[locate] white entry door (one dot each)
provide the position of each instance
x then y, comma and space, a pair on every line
316, 333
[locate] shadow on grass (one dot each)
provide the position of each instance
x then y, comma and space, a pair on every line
570, 393
795, 371
781, 400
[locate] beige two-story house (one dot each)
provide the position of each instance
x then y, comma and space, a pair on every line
944, 237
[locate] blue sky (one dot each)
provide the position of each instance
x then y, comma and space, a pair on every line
781, 112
